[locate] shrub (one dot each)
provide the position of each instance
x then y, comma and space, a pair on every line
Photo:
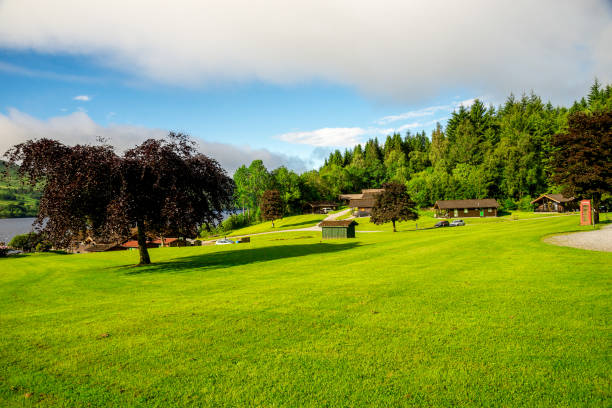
25, 242
509, 205
235, 221
524, 203
4, 250
43, 246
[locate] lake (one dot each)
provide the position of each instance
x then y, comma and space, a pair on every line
9, 227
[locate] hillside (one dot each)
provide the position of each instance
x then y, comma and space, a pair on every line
481, 315
16, 199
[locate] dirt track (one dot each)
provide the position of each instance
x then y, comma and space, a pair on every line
598, 240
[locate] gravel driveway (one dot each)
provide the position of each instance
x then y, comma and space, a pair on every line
598, 240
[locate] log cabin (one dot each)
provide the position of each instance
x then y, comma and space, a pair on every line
485, 207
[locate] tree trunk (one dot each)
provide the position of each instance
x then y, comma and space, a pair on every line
393, 221
142, 244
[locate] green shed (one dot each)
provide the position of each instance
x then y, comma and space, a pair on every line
338, 229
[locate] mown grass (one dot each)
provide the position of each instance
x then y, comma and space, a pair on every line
292, 222
427, 220
486, 315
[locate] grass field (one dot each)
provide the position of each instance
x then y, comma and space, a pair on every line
481, 315
294, 222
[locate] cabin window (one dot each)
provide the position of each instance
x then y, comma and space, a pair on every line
489, 209
465, 210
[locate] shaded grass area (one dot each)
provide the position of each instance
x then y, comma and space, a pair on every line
486, 315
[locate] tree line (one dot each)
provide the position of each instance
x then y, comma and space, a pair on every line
505, 152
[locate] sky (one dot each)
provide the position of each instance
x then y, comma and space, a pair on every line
283, 81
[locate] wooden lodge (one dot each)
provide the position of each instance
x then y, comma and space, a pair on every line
554, 203
319, 207
363, 203
156, 243
338, 229
486, 207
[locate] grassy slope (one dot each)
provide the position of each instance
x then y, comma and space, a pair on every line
22, 192
293, 222
483, 315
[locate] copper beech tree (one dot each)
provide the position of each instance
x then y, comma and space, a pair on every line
271, 206
392, 205
582, 161
160, 186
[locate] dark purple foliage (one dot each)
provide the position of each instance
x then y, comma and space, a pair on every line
161, 186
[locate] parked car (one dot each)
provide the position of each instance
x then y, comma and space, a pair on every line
224, 241
441, 224
457, 223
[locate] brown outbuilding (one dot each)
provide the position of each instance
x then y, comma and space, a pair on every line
319, 207
363, 203
554, 203
486, 207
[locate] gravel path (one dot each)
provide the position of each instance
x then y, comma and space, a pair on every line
598, 240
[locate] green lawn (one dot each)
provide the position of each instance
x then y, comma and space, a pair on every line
427, 220
483, 315
293, 222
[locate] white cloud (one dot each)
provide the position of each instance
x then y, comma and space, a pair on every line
467, 103
78, 127
84, 98
34, 73
429, 111
343, 137
338, 137
407, 50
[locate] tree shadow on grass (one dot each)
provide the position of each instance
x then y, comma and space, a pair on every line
237, 257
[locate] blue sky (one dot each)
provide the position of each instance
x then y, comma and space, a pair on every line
256, 114
284, 83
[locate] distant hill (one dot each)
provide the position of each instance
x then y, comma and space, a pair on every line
16, 199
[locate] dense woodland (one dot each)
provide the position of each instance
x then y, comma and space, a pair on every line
16, 199
502, 152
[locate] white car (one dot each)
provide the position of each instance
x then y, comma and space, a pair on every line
224, 241
457, 223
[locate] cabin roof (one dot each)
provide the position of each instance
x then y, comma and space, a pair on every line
321, 204
480, 203
350, 196
363, 203
166, 241
559, 198
341, 223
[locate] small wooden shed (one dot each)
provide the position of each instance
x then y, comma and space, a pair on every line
338, 229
